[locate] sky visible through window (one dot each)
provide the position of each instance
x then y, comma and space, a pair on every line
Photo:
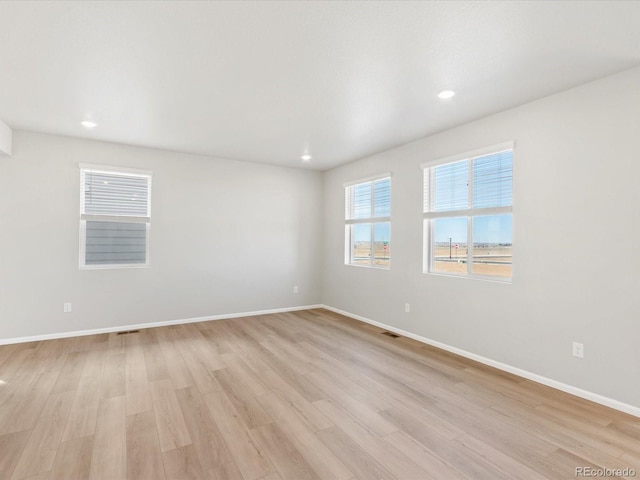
487, 229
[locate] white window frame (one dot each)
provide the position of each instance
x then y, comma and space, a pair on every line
84, 218
372, 220
469, 213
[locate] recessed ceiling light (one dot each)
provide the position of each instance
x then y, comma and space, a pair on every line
306, 157
88, 124
446, 94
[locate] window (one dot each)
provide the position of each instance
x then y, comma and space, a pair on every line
368, 223
467, 214
115, 214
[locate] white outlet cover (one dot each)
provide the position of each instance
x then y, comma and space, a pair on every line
578, 350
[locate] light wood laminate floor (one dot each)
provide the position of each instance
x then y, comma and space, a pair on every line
304, 395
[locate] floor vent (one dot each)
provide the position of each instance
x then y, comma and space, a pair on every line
390, 334
127, 332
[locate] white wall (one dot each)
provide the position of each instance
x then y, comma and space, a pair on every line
5, 139
226, 237
576, 258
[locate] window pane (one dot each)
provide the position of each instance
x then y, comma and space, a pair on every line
493, 180
115, 243
381, 246
449, 245
359, 198
382, 193
361, 244
451, 186
113, 194
492, 245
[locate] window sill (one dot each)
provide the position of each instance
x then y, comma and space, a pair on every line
112, 267
507, 281
374, 267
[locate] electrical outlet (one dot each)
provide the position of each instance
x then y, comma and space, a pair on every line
578, 350
407, 307
295, 289
67, 307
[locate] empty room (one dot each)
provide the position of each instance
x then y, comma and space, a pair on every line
330, 240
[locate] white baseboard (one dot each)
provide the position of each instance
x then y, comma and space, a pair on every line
578, 392
121, 328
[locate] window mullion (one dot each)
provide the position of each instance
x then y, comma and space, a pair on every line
470, 219
371, 246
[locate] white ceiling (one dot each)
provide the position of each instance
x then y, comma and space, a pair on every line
268, 81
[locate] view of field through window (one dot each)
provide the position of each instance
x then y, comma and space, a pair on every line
365, 251
476, 238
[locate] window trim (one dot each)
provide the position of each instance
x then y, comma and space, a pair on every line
372, 220
468, 213
87, 167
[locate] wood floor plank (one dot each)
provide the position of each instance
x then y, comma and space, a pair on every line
352, 455
96, 358
360, 410
172, 430
84, 412
316, 453
176, 367
73, 460
435, 466
40, 451
70, 373
182, 464
247, 454
113, 378
22, 411
472, 465
314, 417
109, 455
283, 454
205, 435
505, 464
243, 400
16, 362
225, 471
394, 461
136, 380
201, 363
11, 446
153, 358
241, 373
144, 459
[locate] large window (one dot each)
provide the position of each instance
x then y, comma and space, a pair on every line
467, 215
115, 214
368, 223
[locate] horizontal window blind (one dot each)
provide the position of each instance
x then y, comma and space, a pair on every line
115, 194
493, 180
368, 200
447, 187
115, 243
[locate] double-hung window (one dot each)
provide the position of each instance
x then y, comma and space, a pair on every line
368, 222
467, 214
115, 216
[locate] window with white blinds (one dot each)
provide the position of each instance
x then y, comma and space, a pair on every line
115, 215
368, 223
468, 215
